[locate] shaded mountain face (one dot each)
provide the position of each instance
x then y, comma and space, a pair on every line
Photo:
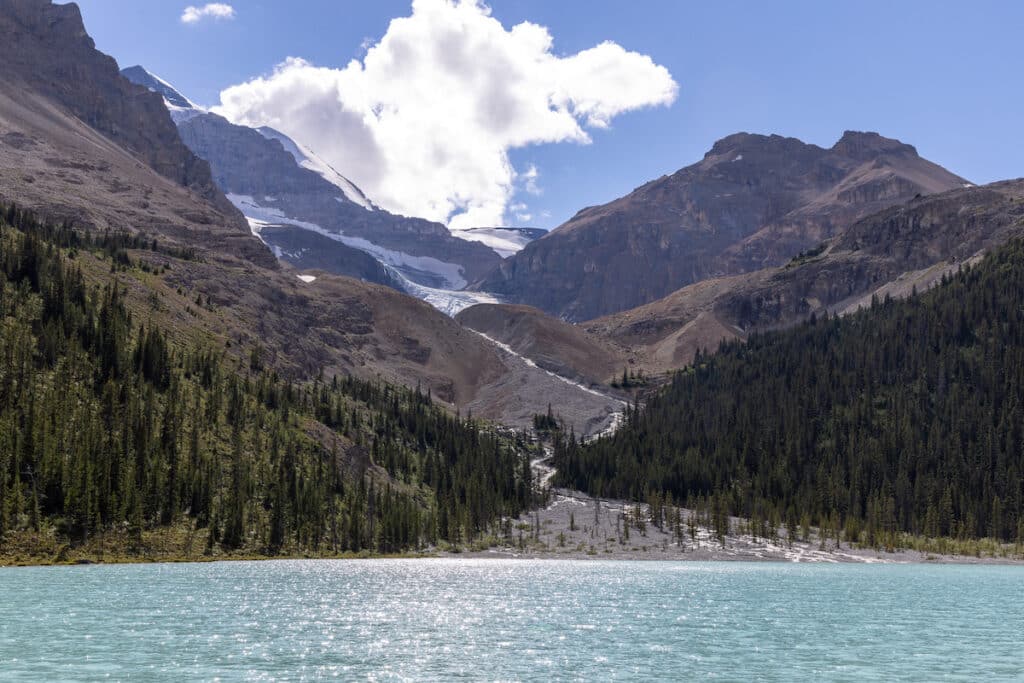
78, 143
891, 253
314, 251
753, 201
47, 50
172, 98
271, 178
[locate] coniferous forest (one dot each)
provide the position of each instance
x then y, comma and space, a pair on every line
905, 417
108, 427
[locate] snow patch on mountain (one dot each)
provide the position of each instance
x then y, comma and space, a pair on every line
504, 241
183, 109
181, 115
180, 107
308, 159
397, 261
173, 98
448, 301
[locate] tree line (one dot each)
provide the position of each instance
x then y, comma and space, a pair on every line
904, 417
106, 425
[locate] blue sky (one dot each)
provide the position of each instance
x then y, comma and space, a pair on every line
945, 77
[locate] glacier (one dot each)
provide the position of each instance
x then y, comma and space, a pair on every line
306, 158
448, 300
504, 241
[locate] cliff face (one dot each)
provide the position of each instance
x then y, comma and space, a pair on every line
753, 201
46, 47
79, 143
890, 253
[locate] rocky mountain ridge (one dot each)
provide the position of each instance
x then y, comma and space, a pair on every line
81, 143
273, 180
104, 155
47, 48
892, 253
752, 201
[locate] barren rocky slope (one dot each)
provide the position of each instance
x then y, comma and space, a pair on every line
47, 51
753, 201
891, 253
80, 143
553, 344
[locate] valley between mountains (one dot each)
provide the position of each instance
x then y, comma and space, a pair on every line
215, 344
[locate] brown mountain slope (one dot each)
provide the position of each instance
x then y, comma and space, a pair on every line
890, 253
46, 50
753, 201
105, 155
551, 343
79, 142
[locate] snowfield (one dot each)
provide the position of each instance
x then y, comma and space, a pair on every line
306, 158
256, 213
504, 241
448, 300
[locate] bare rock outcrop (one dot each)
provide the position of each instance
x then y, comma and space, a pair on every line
754, 201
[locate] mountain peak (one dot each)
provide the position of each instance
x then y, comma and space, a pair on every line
714, 218
857, 145
175, 101
867, 145
751, 142
731, 142
736, 142
138, 74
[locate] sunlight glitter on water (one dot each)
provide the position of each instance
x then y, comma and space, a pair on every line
510, 620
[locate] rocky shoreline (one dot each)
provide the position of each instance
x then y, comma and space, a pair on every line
575, 526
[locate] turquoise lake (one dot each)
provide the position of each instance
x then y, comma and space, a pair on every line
511, 620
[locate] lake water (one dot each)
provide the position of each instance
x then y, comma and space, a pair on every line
511, 620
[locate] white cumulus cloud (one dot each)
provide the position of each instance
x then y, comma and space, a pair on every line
212, 10
425, 121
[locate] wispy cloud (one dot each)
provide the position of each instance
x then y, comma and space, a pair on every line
529, 180
212, 10
521, 213
424, 122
